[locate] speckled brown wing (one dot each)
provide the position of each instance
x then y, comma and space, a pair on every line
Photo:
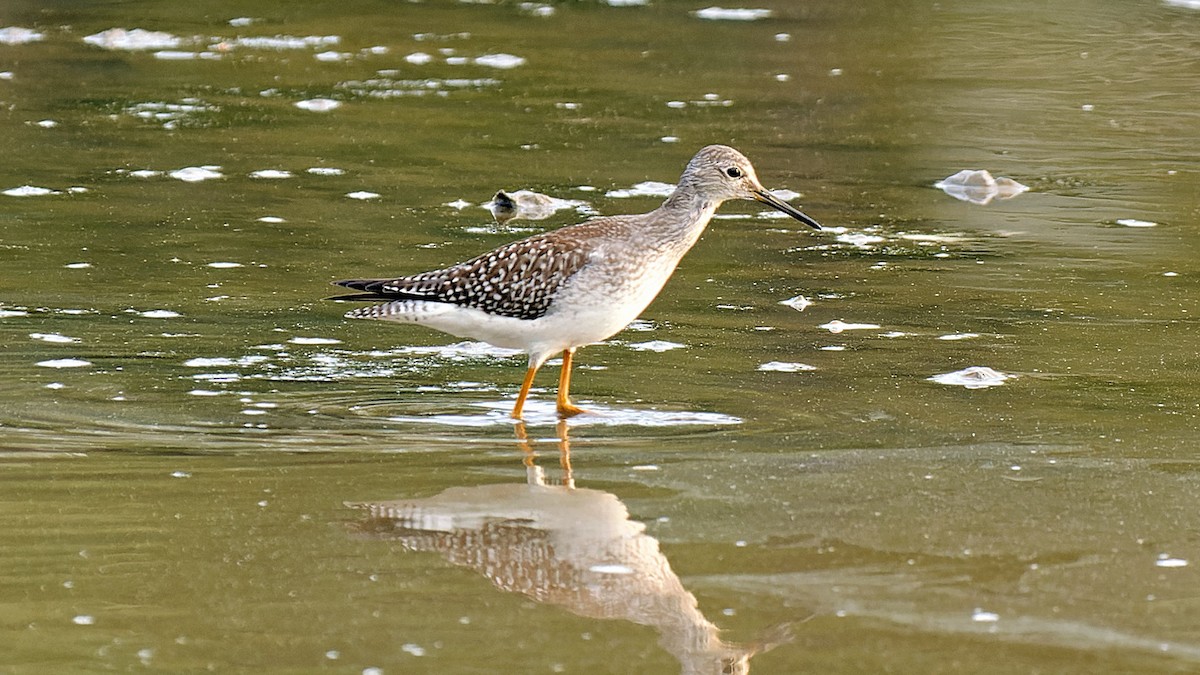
517, 280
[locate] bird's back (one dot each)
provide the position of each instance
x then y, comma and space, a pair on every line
517, 280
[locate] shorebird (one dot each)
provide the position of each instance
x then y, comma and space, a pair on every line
578, 285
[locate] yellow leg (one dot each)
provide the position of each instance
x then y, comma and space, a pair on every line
564, 453
523, 443
565, 407
516, 413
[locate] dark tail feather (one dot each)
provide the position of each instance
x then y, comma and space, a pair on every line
372, 291
366, 285
362, 297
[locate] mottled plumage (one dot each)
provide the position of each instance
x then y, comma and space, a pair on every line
577, 285
517, 280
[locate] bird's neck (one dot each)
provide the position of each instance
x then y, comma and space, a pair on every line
687, 212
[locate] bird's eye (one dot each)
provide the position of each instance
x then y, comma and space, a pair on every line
733, 172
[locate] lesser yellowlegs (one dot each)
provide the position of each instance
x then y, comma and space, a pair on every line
578, 285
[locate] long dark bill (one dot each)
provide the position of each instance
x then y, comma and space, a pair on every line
780, 205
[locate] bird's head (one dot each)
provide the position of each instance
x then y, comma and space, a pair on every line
718, 172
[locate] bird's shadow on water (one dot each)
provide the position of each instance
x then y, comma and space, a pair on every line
562, 545
544, 413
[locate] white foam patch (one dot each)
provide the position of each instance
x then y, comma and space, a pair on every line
923, 238
159, 314
837, 326
15, 35
281, 42
736, 14
223, 361
63, 363
975, 377
785, 367
958, 336
56, 338
196, 174
271, 174
332, 56
648, 188
502, 61
798, 303
318, 104
459, 351
9, 313
655, 346
133, 40
30, 191
537, 9
979, 187
858, 239
329, 367
169, 115
217, 377
177, 55
325, 171
385, 87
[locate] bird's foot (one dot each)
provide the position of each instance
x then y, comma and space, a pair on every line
568, 409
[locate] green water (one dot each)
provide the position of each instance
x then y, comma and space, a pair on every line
185, 500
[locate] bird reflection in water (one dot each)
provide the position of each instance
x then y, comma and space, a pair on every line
557, 544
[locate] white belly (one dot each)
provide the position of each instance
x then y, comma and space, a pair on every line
601, 299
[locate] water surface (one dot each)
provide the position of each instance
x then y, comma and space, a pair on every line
191, 437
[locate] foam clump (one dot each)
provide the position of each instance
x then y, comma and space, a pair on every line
975, 377
979, 187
